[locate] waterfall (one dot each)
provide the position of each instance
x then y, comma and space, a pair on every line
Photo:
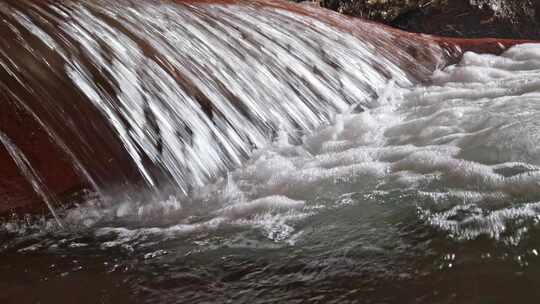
169, 92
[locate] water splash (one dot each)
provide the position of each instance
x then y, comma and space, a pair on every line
31, 176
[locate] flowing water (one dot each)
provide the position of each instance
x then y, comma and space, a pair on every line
326, 173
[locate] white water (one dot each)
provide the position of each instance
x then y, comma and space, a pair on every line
466, 147
248, 62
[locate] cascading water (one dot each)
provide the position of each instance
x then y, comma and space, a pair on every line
307, 162
187, 91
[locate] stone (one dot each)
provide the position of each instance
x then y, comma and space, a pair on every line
455, 18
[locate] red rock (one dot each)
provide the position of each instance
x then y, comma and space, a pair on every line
92, 141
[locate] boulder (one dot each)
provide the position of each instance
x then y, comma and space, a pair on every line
456, 18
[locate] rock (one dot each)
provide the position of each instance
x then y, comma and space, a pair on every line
456, 18
36, 91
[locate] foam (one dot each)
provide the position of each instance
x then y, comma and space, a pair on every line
468, 222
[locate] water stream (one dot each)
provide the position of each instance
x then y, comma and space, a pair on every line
325, 173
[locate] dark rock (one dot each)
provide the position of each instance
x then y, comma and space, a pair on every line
456, 18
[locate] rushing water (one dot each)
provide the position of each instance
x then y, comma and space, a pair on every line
375, 189
187, 90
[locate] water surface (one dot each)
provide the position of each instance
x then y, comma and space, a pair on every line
404, 193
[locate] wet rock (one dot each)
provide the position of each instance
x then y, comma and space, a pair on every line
58, 143
457, 18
